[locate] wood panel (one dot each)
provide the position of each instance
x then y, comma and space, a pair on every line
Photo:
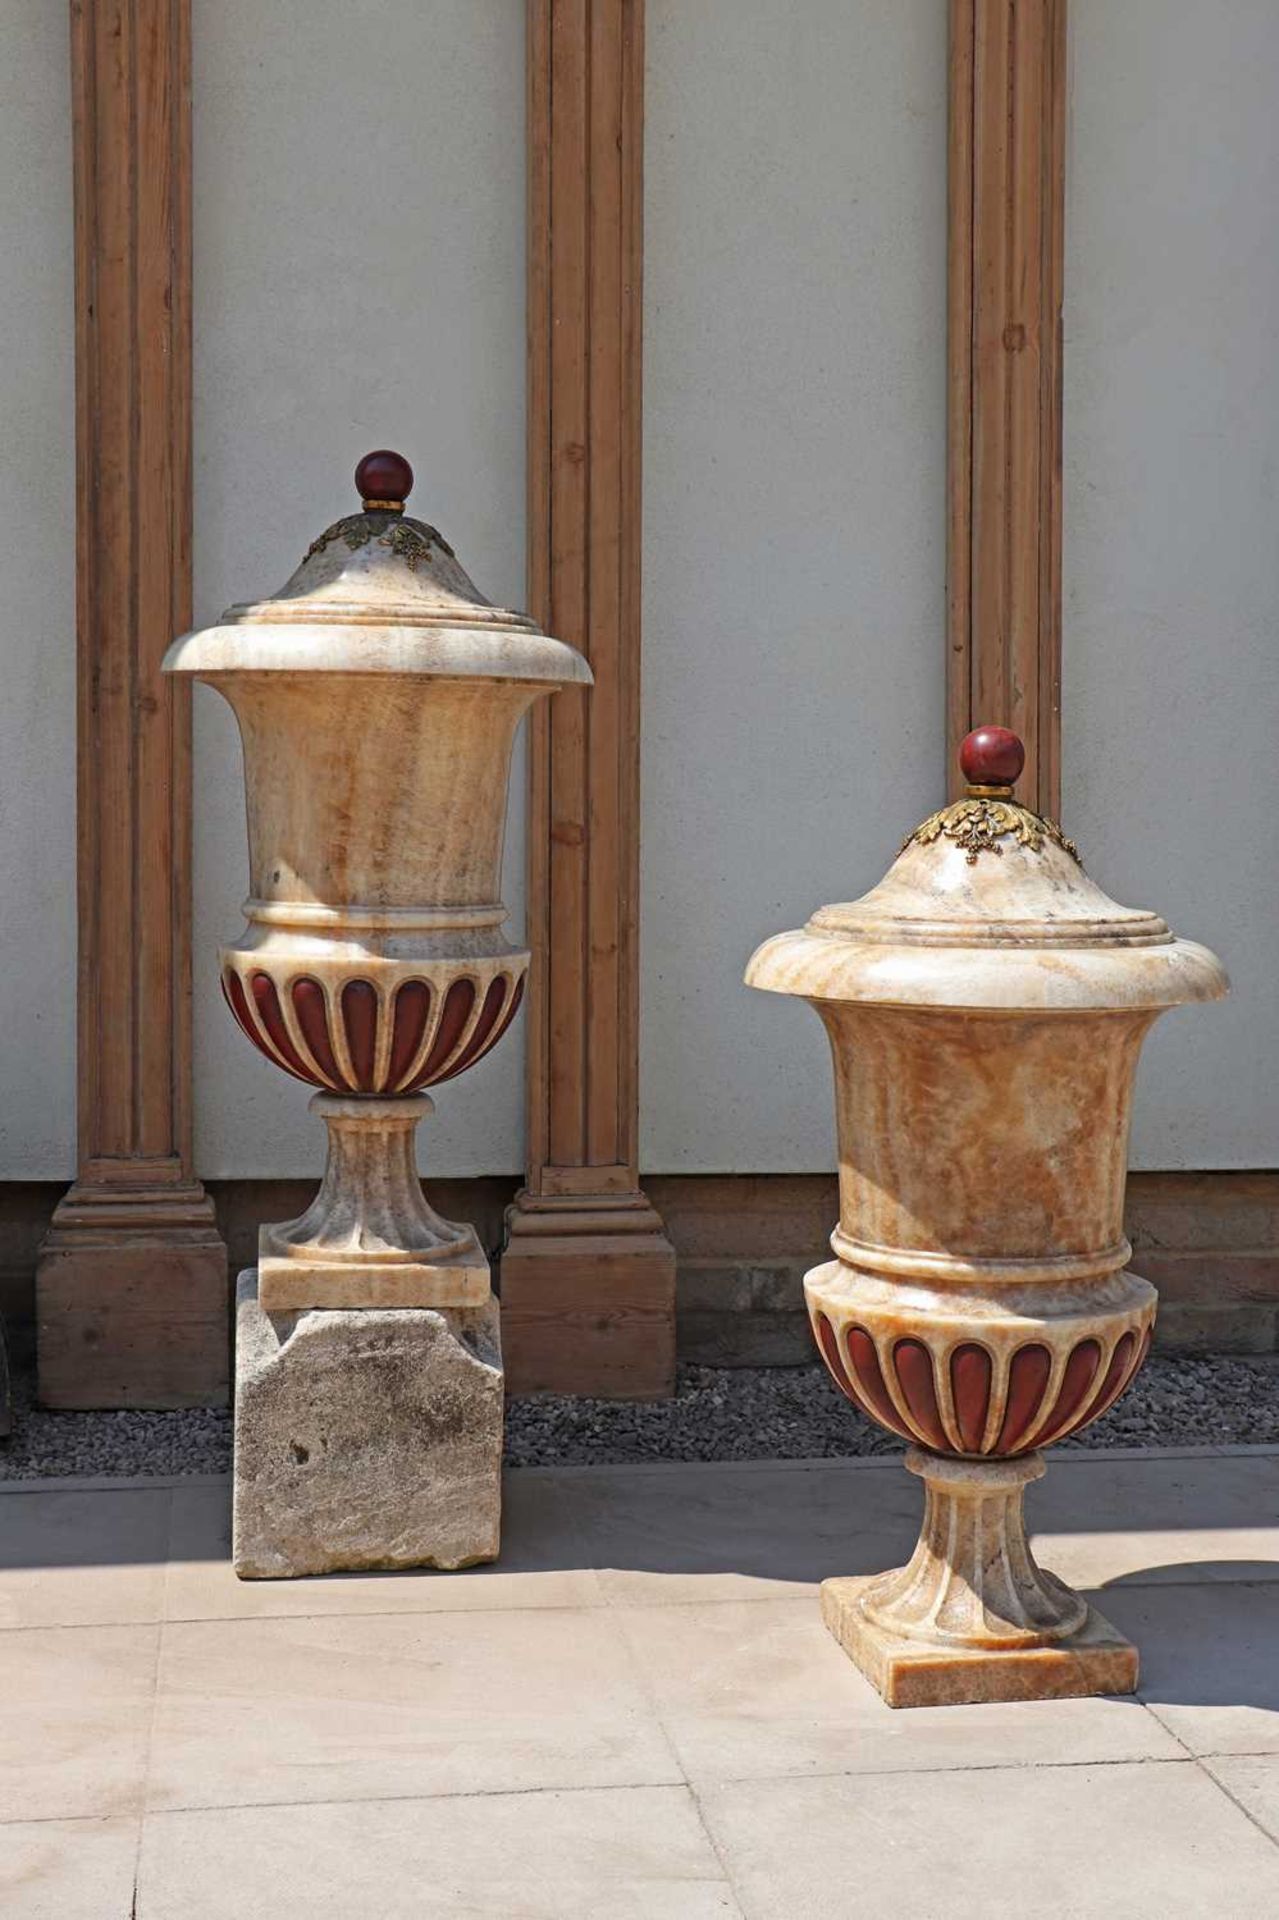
132, 1283
1006, 223
588, 1274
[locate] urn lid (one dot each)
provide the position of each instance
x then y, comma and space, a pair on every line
379, 592
988, 905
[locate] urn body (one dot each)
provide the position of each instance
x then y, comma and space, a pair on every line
378, 696
986, 1004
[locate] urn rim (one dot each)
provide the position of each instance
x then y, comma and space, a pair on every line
984, 979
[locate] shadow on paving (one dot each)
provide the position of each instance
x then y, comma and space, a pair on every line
793, 1523
1207, 1634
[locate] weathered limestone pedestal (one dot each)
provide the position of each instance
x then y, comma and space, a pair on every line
368, 1370
985, 1004
378, 697
365, 1438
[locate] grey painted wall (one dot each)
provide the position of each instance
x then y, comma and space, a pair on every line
37, 599
359, 282
1171, 734
794, 499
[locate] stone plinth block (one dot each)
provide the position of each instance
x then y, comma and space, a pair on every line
365, 1438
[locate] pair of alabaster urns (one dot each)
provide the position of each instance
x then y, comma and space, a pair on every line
985, 1003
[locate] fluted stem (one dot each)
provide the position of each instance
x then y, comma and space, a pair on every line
369, 1237
972, 1580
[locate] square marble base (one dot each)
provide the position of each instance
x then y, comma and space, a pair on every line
291, 1283
366, 1439
919, 1673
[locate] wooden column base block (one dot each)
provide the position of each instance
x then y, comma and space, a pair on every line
972, 1617
588, 1299
369, 1239
132, 1302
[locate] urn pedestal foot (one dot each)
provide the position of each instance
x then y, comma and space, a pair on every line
369, 1238
365, 1439
972, 1617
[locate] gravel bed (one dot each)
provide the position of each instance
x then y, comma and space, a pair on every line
718, 1413
796, 1413
197, 1440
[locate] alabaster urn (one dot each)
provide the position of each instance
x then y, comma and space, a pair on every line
986, 1004
378, 696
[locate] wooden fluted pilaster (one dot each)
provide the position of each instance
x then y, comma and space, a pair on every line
588, 1274
132, 1283
1007, 200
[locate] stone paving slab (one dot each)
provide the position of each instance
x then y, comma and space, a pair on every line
79, 1558
1210, 1662
1144, 1841
1252, 1781
749, 1690
75, 1709
637, 1712
640, 1853
380, 1706
68, 1869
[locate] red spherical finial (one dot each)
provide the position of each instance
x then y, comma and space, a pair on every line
991, 757
385, 480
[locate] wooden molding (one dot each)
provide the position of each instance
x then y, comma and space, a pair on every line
588, 1274
1006, 223
132, 1284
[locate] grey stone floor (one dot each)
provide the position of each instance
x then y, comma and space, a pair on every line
637, 1714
